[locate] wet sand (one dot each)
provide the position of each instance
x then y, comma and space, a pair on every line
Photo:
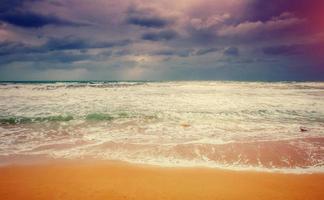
115, 180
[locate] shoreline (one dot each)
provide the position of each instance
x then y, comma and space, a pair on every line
27, 160
120, 180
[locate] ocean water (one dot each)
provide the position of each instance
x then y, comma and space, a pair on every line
231, 125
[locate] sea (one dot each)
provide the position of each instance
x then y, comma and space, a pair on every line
258, 126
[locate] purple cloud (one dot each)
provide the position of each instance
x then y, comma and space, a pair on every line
161, 35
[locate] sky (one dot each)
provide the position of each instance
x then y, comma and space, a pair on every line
244, 40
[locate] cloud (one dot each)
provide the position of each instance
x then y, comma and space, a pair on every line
57, 44
161, 35
16, 12
206, 51
145, 17
261, 29
175, 36
185, 52
230, 29
147, 21
284, 50
210, 21
312, 49
62, 59
34, 20
72, 43
231, 51
264, 10
173, 52
56, 50
9, 5
312, 11
8, 48
48, 57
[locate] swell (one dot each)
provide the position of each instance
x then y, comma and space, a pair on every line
67, 85
65, 118
25, 120
269, 115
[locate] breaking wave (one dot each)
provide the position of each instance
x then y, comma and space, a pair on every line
24, 120
233, 125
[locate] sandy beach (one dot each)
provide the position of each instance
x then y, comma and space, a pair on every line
115, 180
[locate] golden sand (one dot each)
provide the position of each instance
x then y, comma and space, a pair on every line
114, 180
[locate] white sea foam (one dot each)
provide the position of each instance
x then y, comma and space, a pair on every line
234, 125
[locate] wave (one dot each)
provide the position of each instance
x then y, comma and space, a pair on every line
296, 155
99, 117
53, 85
269, 115
208, 123
65, 118
24, 120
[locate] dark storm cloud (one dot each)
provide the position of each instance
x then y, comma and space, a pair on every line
295, 49
284, 50
34, 20
50, 57
52, 50
31, 20
264, 9
57, 44
9, 48
72, 43
161, 35
10, 5
147, 21
16, 12
145, 17
48, 60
